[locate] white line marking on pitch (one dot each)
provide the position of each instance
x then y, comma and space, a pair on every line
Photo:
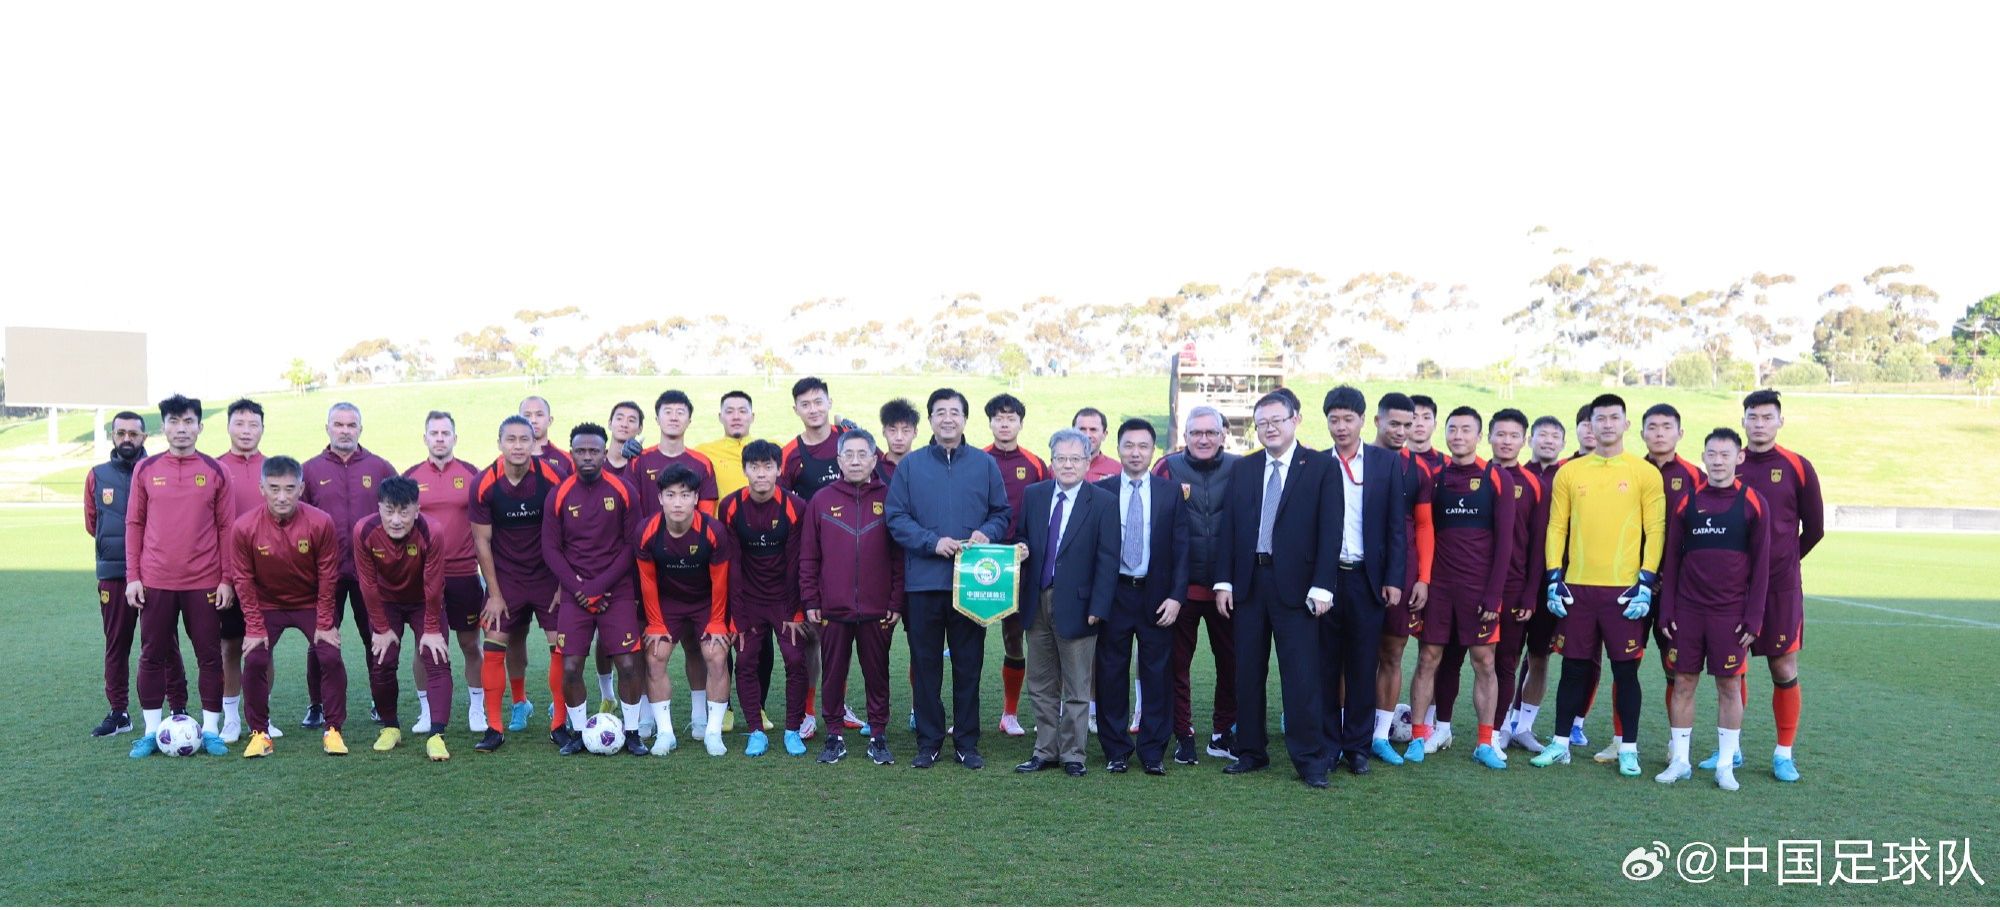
1868, 606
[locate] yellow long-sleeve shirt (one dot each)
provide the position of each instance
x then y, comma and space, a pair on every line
727, 454
1607, 520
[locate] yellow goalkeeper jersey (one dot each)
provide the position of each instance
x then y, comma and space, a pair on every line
727, 455
1607, 520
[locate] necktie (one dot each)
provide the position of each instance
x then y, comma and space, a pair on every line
1269, 515
1133, 548
1055, 538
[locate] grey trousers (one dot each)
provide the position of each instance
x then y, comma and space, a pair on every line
1058, 683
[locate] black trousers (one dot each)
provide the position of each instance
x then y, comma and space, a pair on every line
1261, 621
1133, 617
930, 624
1348, 638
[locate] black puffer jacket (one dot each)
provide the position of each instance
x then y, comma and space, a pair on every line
1202, 484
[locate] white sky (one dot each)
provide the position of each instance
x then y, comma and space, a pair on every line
265, 180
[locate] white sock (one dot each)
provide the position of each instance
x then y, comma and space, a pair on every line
152, 720
1624, 747
476, 696
1431, 716
1382, 721
1779, 752
1728, 743
631, 715
1499, 740
1441, 730
663, 717
423, 709
232, 708
607, 686
698, 710
211, 721
645, 704
1678, 744
577, 718
715, 711
1508, 724
1524, 720
1581, 719
1618, 741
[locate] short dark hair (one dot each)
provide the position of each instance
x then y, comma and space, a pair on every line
1279, 396
1290, 396
1583, 413
634, 406
1424, 401
808, 384
1662, 409
673, 396
680, 475
1137, 423
1763, 397
734, 393
1005, 403
899, 410
281, 466
1607, 400
587, 429
396, 491
244, 404
1395, 401
128, 415
1723, 433
1546, 420
441, 415
514, 420
930, 404
858, 433
179, 404
763, 450
1345, 398
1081, 413
1466, 410
1511, 415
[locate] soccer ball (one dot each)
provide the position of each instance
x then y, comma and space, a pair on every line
604, 734
179, 735
1400, 729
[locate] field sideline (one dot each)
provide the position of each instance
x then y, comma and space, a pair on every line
1899, 663
1822, 426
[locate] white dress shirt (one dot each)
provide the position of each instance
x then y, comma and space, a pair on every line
1069, 508
1351, 549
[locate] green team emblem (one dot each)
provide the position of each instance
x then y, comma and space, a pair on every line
986, 582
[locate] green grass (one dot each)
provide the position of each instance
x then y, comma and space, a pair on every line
1883, 692
1826, 428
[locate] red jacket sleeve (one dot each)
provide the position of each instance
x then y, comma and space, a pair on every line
370, 579
242, 550
327, 549
135, 526
90, 503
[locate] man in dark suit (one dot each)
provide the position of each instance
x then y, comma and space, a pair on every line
1069, 536
1281, 541
1372, 556
1152, 578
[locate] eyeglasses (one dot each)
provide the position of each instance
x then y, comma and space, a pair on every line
1069, 459
1205, 434
1263, 425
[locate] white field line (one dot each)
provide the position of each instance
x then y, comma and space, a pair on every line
1983, 624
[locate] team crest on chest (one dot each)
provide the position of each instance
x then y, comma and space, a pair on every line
410, 550
694, 548
1518, 491
305, 546
458, 483
107, 497
367, 481
878, 508
1187, 490
1777, 475
1475, 484
1020, 473
201, 480
609, 504
774, 523
1676, 484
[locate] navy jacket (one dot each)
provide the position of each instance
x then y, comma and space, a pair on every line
1167, 563
936, 494
1305, 541
1086, 563
1384, 501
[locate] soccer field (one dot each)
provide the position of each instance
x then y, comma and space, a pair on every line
1899, 680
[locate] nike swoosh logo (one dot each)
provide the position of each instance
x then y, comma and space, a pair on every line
326, 481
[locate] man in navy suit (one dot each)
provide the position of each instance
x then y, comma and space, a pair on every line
1372, 559
1281, 543
1069, 536
1152, 577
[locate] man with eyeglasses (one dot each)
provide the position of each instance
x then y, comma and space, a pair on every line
1202, 470
944, 496
1281, 530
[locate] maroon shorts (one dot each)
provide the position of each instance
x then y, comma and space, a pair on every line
617, 627
1596, 618
231, 621
1452, 618
1784, 624
1704, 637
463, 598
1397, 619
686, 627
515, 620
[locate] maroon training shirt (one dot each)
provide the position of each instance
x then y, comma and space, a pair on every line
1790, 488
1718, 556
1018, 469
289, 565
586, 537
766, 581
407, 571
444, 498
345, 490
177, 522
1472, 514
514, 512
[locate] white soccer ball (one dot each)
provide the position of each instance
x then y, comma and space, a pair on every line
604, 734
1401, 730
179, 735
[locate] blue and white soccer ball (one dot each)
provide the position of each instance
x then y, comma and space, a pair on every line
178, 735
604, 734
